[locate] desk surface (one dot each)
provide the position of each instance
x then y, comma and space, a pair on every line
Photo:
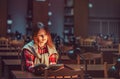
109, 49
12, 61
28, 75
74, 66
8, 49
8, 53
89, 67
25, 75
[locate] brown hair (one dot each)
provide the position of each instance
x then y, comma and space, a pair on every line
49, 41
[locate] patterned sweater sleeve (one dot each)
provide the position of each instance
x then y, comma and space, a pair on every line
29, 58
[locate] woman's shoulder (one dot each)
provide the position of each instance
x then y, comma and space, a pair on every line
29, 45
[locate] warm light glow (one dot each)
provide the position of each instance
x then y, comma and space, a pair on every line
9, 21
90, 5
49, 13
9, 31
49, 23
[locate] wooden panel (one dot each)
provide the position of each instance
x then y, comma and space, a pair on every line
81, 17
3, 17
40, 11
105, 26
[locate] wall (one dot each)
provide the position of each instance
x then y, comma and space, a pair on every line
104, 18
3, 17
17, 9
105, 8
81, 18
101, 8
57, 17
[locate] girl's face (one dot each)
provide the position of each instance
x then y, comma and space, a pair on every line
42, 37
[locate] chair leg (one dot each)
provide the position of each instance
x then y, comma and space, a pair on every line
105, 70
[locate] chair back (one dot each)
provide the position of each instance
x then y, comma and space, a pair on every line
91, 57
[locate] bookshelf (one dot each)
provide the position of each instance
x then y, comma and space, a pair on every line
76, 14
68, 20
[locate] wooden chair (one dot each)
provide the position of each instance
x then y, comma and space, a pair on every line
90, 57
93, 66
106, 68
16, 43
3, 42
64, 58
116, 55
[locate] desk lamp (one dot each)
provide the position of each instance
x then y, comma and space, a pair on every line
72, 54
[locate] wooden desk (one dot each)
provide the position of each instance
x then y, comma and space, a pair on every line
14, 63
24, 75
2, 54
108, 54
11, 64
6, 55
109, 49
9, 49
92, 68
95, 70
56, 75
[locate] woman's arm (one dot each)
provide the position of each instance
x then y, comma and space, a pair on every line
53, 59
29, 58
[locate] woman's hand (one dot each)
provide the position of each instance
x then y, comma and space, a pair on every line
52, 59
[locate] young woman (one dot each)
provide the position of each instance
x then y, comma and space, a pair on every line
40, 50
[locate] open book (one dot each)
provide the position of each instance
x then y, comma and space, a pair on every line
40, 68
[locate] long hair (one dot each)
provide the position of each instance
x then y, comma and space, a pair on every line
49, 40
